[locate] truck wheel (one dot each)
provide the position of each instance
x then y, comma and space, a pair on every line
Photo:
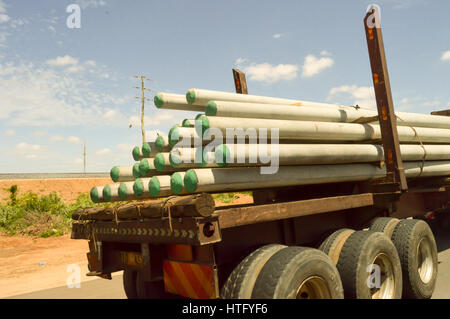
239, 284
298, 273
384, 225
129, 283
332, 245
150, 290
418, 255
370, 267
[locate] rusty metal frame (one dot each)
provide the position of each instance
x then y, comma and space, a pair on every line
387, 118
239, 216
188, 230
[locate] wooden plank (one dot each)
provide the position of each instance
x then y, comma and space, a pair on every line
443, 113
239, 216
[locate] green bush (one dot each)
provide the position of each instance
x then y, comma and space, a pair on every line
40, 215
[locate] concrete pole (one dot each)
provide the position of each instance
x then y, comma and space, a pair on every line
140, 188
304, 154
125, 173
159, 186
96, 194
149, 149
233, 179
324, 131
111, 193
185, 135
202, 97
306, 113
183, 158
126, 192
175, 102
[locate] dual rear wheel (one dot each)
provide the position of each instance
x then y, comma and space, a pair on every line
393, 259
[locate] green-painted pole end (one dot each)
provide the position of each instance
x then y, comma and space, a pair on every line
158, 100
190, 181
107, 193
154, 186
190, 96
138, 187
211, 109
123, 192
94, 194
136, 170
159, 143
176, 183
146, 149
114, 173
174, 159
136, 153
174, 135
159, 162
144, 167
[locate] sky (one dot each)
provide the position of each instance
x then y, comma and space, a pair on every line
61, 86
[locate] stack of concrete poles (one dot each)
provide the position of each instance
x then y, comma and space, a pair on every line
306, 142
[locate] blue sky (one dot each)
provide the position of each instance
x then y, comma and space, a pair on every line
61, 86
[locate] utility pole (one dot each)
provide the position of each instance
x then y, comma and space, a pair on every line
84, 157
142, 98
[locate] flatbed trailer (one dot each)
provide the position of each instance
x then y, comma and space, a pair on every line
229, 253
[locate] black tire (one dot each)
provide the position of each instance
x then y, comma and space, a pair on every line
239, 284
384, 225
361, 250
290, 270
417, 250
150, 290
129, 283
333, 244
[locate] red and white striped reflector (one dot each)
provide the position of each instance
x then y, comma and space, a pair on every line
189, 280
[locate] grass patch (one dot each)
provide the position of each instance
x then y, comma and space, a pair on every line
44, 216
228, 197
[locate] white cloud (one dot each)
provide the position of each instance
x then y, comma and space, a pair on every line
3, 16
104, 151
53, 98
446, 56
90, 63
110, 114
162, 117
74, 140
266, 72
90, 3
356, 95
240, 61
277, 36
75, 69
39, 133
62, 61
70, 139
313, 65
10, 133
123, 147
29, 151
57, 138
